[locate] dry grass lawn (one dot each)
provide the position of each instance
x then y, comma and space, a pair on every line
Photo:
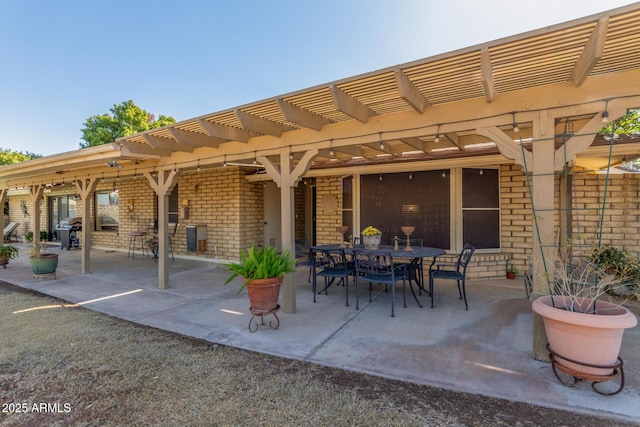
71, 366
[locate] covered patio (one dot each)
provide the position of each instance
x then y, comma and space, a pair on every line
486, 350
528, 105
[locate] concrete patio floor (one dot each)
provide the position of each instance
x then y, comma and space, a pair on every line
486, 350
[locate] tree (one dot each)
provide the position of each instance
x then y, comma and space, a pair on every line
125, 119
8, 157
628, 124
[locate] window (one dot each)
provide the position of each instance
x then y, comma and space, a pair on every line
106, 210
421, 199
481, 208
347, 206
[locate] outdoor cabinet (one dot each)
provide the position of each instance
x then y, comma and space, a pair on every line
197, 238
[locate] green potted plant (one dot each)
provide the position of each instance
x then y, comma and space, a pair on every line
584, 331
7, 252
620, 264
263, 270
41, 262
512, 272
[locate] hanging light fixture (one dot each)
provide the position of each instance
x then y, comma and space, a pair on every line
437, 138
605, 113
380, 178
198, 167
290, 154
481, 171
515, 124
410, 175
225, 161
331, 153
444, 173
381, 143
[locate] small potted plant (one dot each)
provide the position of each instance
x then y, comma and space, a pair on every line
371, 237
41, 262
263, 270
512, 272
7, 252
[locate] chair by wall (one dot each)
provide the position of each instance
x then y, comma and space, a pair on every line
453, 271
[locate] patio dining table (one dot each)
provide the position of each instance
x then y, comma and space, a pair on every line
415, 257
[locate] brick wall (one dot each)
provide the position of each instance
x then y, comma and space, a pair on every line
232, 209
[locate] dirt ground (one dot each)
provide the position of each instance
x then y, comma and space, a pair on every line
61, 364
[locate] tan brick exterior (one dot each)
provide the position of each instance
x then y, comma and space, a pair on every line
232, 209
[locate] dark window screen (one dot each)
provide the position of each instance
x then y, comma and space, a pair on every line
481, 228
422, 201
481, 208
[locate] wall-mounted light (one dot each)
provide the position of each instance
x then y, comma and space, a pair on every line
437, 137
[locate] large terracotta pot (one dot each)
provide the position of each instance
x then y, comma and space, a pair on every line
44, 264
264, 293
594, 339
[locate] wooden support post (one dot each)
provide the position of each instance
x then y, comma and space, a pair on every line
36, 192
86, 189
163, 184
287, 178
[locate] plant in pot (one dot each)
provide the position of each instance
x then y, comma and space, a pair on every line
584, 332
41, 262
512, 272
263, 270
7, 252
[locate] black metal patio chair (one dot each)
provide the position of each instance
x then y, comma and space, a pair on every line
331, 264
377, 267
453, 271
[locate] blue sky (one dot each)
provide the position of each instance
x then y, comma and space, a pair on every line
64, 61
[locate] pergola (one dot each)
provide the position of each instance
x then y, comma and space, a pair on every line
506, 101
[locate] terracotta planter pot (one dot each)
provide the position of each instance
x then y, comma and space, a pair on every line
511, 275
594, 339
264, 293
44, 264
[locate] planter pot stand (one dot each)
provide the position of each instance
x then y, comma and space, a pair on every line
585, 346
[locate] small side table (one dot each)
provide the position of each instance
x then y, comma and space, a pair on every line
273, 324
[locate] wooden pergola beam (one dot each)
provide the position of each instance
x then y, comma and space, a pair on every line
224, 132
193, 139
260, 125
349, 105
409, 92
591, 53
487, 75
303, 117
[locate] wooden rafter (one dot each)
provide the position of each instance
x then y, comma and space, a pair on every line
185, 137
225, 132
591, 53
301, 116
350, 105
487, 75
167, 144
260, 125
409, 92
